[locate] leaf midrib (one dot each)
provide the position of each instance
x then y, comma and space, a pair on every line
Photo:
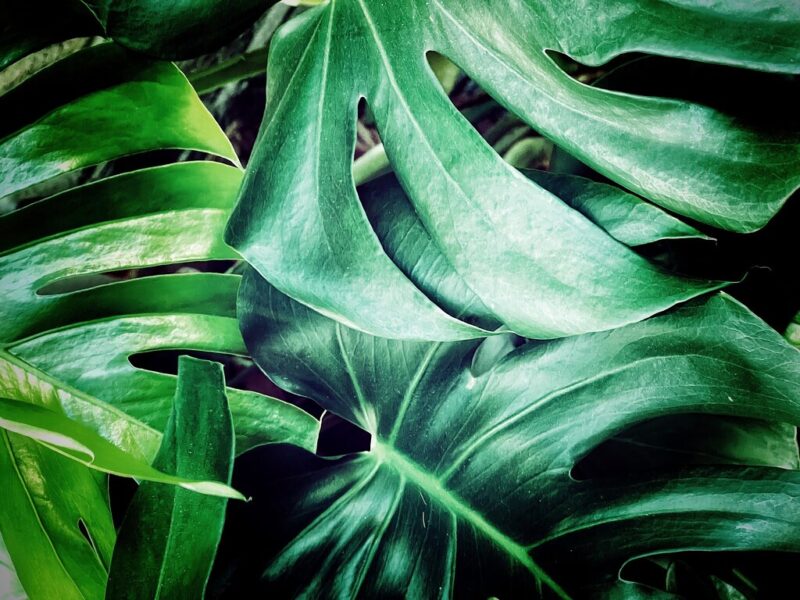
386, 454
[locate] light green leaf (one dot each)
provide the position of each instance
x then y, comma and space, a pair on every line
48, 496
21, 381
10, 585
542, 269
167, 543
468, 488
52, 128
145, 218
793, 331
47, 500
63, 435
149, 217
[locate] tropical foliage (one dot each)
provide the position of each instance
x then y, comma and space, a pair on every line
514, 293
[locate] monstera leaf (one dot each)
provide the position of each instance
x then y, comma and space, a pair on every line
470, 487
543, 270
162, 215
68, 329
405, 239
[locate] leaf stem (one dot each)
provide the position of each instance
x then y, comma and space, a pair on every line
371, 165
235, 69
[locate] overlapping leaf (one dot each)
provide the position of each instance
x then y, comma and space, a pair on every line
98, 105
404, 238
169, 537
541, 269
144, 218
80, 112
468, 490
78, 442
49, 501
24, 30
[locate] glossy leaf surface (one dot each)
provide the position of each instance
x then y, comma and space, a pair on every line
623, 216
63, 435
169, 537
55, 520
77, 113
145, 218
404, 238
48, 498
541, 268
21, 381
468, 488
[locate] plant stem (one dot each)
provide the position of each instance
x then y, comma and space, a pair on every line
371, 165
237, 68
374, 162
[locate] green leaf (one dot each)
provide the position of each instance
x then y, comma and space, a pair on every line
176, 29
163, 29
145, 218
94, 357
623, 216
21, 381
47, 500
149, 217
77, 113
468, 488
299, 221
48, 496
55, 519
405, 239
169, 537
793, 331
23, 30
63, 435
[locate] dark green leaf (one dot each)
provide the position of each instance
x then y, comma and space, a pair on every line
169, 537
467, 490
163, 29
24, 30
176, 29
